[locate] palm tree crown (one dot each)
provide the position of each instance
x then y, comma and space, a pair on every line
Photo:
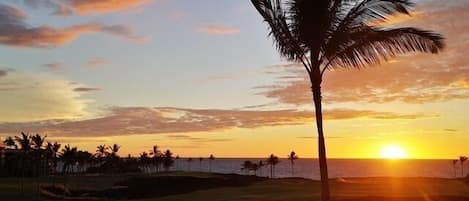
342, 33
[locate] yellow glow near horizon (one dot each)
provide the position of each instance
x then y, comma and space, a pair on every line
393, 152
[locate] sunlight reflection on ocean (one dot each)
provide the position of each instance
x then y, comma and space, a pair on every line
308, 168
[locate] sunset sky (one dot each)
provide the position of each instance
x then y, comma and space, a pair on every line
202, 77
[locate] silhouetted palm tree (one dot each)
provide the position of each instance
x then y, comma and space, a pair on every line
114, 149
25, 145
272, 161
144, 161
168, 160
325, 34
189, 161
10, 143
24, 141
68, 157
200, 163
455, 162
292, 157
157, 157
51, 153
462, 159
101, 151
210, 159
37, 144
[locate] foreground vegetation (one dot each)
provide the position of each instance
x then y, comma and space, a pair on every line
182, 186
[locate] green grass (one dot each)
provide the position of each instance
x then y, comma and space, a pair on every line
268, 190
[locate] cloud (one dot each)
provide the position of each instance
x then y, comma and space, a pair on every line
54, 66
164, 120
85, 89
37, 97
14, 31
85, 7
196, 139
214, 29
98, 61
412, 79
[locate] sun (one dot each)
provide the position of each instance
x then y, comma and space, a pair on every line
393, 152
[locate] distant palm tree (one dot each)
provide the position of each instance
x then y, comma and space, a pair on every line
210, 159
24, 141
114, 149
189, 161
200, 163
25, 146
462, 159
51, 154
37, 144
272, 161
329, 34
157, 157
10, 143
144, 161
101, 151
55, 150
455, 162
168, 160
177, 162
292, 157
69, 158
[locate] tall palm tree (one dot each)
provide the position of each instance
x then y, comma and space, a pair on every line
52, 150
10, 143
272, 161
325, 34
69, 158
189, 162
455, 162
37, 144
210, 159
462, 159
168, 160
292, 157
157, 157
144, 161
25, 146
200, 163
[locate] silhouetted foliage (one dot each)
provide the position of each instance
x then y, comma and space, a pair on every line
272, 161
292, 157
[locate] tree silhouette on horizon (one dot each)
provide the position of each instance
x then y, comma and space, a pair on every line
272, 161
462, 160
292, 157
326, 34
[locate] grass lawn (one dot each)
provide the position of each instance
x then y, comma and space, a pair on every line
353, 189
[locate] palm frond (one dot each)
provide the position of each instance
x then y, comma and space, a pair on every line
377, 10
274, 14
371, 46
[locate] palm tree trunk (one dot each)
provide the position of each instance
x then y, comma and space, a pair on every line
462, 169
316, 89
292, 171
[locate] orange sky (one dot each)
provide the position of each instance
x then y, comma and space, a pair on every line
149, 72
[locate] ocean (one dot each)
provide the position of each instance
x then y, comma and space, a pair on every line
338, 168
